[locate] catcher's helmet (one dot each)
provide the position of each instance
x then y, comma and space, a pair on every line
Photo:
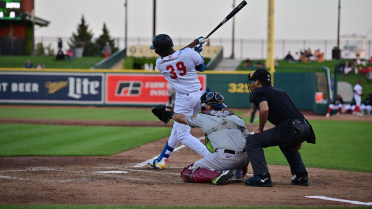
215, 99
161, 43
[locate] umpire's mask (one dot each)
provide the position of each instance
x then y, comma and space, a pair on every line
250, 83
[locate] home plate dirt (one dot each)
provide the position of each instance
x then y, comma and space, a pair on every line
116, 180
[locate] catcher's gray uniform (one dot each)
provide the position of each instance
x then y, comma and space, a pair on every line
226, 133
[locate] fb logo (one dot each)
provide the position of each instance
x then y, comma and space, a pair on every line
128, 88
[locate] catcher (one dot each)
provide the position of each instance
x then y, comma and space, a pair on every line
225, 140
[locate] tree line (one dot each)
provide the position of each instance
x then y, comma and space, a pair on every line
83, 37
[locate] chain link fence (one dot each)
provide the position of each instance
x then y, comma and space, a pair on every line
247, 48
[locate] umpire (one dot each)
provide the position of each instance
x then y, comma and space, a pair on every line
291, 129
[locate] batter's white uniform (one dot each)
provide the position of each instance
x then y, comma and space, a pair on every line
358, 94
226, 133
179, 70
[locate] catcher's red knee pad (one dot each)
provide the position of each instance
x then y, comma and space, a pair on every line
199, 175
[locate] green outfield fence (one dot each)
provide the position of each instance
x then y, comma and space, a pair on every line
302, 86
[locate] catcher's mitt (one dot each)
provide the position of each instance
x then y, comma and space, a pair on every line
162, 113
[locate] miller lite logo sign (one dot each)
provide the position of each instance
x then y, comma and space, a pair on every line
37, 87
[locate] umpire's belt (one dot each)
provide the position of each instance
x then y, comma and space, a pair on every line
299, 121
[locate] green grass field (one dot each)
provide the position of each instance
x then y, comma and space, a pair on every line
78, 113
342, 145
20, 139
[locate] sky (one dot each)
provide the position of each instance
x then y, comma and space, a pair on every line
294, 19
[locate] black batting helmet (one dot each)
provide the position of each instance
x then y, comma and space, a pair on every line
215, 99
161, 43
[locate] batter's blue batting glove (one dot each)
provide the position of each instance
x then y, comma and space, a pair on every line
198, 48
201, 40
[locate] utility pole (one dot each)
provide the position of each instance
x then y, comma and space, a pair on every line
126, 24
338, 24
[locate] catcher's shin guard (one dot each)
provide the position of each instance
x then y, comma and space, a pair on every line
199, 175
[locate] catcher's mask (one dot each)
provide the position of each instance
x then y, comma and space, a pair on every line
215, 99
161, 44
261, 75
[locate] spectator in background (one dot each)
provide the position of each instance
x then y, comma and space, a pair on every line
367, 104
29, 64
248, 63
259, 64
69, 55
349, 108
297, 57
107, 50
39, 66
59, 44
358, 60
358, 93
308, 53
60, 55
336, 105
319, 56
348, 68
289, 57
370, 60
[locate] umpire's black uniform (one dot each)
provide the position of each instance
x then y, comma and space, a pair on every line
291, 129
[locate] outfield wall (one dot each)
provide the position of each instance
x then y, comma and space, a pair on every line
134, 87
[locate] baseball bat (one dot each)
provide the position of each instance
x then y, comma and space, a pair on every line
228, 17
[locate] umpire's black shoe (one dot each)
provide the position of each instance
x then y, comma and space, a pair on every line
300, 180
262, 180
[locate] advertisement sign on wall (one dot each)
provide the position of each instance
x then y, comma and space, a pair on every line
145, 51
31, 87
139, 88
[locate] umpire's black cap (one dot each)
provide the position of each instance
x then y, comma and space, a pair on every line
262, 75
161, 43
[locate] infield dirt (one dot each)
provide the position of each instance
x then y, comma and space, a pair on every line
121, 180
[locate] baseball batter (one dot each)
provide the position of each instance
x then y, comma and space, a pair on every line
226, 134
179, 69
